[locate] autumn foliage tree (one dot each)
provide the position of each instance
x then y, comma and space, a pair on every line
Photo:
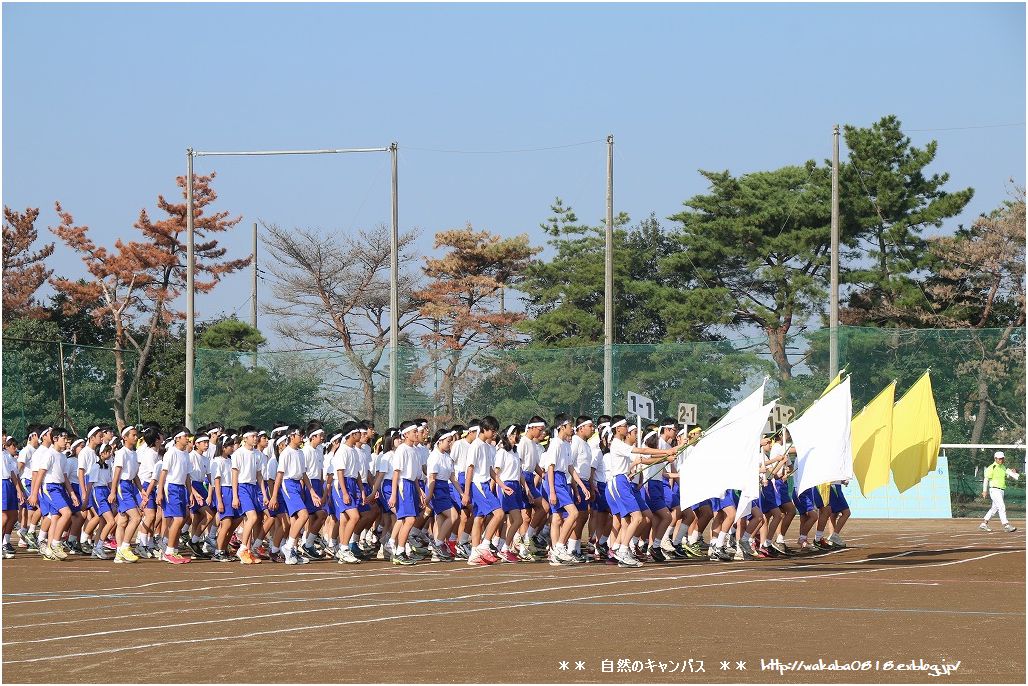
133, 285
24, 270
462, 298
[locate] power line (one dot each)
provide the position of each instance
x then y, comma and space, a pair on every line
505, 152
965, 128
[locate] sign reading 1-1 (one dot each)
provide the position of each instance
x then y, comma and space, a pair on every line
641, 406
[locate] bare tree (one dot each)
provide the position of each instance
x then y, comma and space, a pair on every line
332, 293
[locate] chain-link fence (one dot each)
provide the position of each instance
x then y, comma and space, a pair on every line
978, 377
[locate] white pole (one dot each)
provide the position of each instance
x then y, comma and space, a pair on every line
190, 313
394, 297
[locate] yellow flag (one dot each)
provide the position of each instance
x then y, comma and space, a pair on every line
916, 435
871, 437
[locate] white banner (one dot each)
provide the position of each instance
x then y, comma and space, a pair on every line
822, 440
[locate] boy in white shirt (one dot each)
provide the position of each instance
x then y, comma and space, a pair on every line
173, 493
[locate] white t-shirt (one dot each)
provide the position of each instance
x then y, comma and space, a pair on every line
620, 457
482, 457
127, 459
440, 464
100, 476
52, 461
86, 460
582, 457
199, 466
509, 465
314, 461
384, 464
71, 468
599, 466
147, 457
558, 454
10, 465
291, 464
244, 461
221, 468
25, 461
529, 452
459, 451
348, 460
405, 459
176, 463
367, 462
423, 452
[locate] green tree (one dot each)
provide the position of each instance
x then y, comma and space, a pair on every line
887, 199
754, 252
232, 334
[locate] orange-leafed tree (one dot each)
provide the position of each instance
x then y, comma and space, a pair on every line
134, 285
24, 268
463, 298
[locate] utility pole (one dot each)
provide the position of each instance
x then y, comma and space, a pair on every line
833, 317
608, 289
394, 298
190, 314
253, 287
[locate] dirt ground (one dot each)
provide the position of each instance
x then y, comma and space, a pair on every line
908, 601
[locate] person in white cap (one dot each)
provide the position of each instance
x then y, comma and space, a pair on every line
995, 484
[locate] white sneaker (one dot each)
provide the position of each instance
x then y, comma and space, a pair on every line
346, 556
984, 526
837, 540
99, 554
1009, 529
292, 558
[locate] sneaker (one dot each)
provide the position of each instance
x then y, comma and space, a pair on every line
402, 559
1009, 529
657, 555
530, 545
176, 559
629, 560
127, 555
836, 540
554, 561
712, 553
311, 552
346, 556
780, 548
770, 550
292, 558
740, 555
262, 552
984, 526
602, 550
33, 542
580, 558
58, 550
277, 557
489, 557
99, 554
452, 547
86, 547
245, 557
8, 551
507, 556
119, 558
825, 544
723, 554
761, 553
23, 539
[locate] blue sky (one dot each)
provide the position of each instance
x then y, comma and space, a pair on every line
101, 101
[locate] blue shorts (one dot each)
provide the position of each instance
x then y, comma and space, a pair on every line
455, 495
601, 504
57, 497
784, 494
483, 500
226, 498
703, 503
384, 493
176, 500
561, 491
98, 498
669, 496
655, 497
27, 483
319, 487
407, 504
351, 487
128, 496
729, 499
365, 504
581, 502
293, 496
249, 499
836, 499
769, 498
462, 479
10, 496
533, 490
629, 498
442, 497
201, 488
808, 500
151, 502
610, 496
514, 501
78, 494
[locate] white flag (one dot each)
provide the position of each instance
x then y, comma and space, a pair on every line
723, 459
822, 440
751, 489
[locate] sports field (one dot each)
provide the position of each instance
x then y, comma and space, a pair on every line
921, 594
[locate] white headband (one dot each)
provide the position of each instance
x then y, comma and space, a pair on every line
77, 442
469, 429
92, 431
314, 433
356, 431
446, 435
512, 429
280, 428
249, 433
666, 426
620, 422
281, 439
46, 431
412, 427
202, 437
632, 427
585, 423
647, 436
337, 437
179, 435
532, 425
126, 430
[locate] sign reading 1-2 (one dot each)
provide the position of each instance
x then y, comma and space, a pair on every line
641, 406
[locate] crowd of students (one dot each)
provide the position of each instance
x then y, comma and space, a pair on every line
567, 492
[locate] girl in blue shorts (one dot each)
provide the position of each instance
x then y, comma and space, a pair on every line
442, 485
